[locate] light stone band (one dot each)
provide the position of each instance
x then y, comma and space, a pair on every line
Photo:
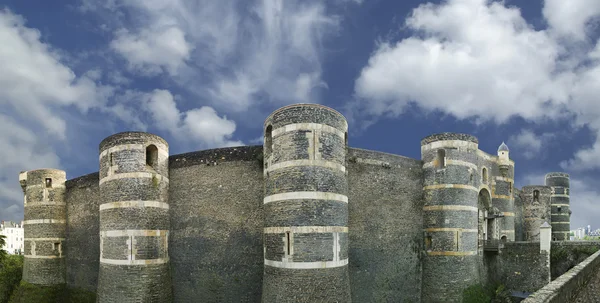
452, 253
134, 262
450, 207
306, 229
304, 162
307, 265
450, 229
43, 257
134, 175
452, 162
29, 203
134, 232
308, 195
443, 186
162, 149
45, 221
134, 203
308, 126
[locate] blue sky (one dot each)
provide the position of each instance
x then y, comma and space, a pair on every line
205, 74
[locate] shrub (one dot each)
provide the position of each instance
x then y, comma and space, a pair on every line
11, 270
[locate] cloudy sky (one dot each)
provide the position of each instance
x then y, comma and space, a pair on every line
205, 74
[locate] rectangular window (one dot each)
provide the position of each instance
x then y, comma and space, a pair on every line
48, 182
428, 242
288, 243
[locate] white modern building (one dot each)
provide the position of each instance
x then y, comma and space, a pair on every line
14, 236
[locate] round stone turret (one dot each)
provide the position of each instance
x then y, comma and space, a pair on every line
306, 206
536, 210
453, 214
561, 207
45, 221
134, 219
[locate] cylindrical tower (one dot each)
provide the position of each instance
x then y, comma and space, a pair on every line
536, 210
450, 215
44, 225
306, 206
502, 197
561, 209
134, 219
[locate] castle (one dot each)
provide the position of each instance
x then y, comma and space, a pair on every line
303, 218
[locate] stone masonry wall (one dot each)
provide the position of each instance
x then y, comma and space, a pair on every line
521, 266
385, 226
82, 247
216, 215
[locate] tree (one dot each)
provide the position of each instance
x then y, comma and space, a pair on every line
3, 252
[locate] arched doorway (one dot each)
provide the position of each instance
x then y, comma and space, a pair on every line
483, 209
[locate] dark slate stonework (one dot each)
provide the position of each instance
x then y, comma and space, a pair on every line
142, 282
306, 178
386, 227
450, 253
306, 213
216, 240
535, 213
519, 222
285, 284
220, 232
557, 179
305, 286
82, 247
522, 267
44, 262
130, 283
129, 138
448, 136
559, 182
306, 113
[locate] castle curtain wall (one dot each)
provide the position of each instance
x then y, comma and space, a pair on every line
82, 247
215, 245
385, 226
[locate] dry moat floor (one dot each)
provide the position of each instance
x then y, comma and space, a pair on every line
591, 292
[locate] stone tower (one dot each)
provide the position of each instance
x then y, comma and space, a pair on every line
306, 206
134, 219
561, 210
450, 215
45, 222
502, 198
536, 210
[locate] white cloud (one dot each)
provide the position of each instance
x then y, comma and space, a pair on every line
34, 81
164, 109
480, 58
528, 143
232, 53
36, 88
204, 124
202, 127
475, 59
571, 18
151, 50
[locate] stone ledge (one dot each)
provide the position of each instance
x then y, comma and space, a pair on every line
566, 286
